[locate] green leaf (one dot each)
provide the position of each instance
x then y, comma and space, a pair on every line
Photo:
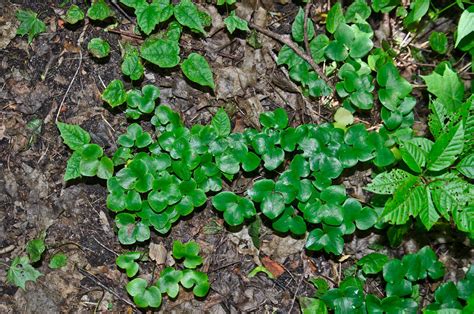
413, 156
189, 251
336, 51
290, 221
260, 269
387, 182
358, 10
162, 52
312, 305
58, 260
73, 166
187, 14
446, 148
35, 248
221, 123
466, 166
106, 168
115, 94
73, 15
169, 281
144, 101
343, 118
196, 68
466, 286
408, 200
297, 28
418, 10
447, 87
21, 271
132, 65
128, 262
144, 296
99, 10
98, 47
428, 215
236, 209
334, 18
134, 3
73, 135
273, 204
148, 16
233, 22
197, 279
465, 25
29, 24
330, 238
373, 263
439, 42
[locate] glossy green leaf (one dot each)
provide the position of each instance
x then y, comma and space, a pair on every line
188, 15
447, 87
221, 123
162, 52
465, 25
372, 263
128, 262
169, 281
189, 252
197, 279
196, 68
466, 166
418, 9
330, 238
73, 136
144, 296
236, 209
148, 16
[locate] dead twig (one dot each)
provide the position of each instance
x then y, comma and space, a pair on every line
296, 293
295, 48
85, 273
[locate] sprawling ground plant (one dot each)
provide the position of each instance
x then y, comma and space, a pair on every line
162, 173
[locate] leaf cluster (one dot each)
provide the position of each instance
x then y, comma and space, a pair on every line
402, 278
150, 296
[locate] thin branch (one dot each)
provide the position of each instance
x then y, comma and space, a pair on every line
85, 273
295, 48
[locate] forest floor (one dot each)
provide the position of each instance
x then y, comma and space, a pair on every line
35, 82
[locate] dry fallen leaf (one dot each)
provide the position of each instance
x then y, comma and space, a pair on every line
157, 253
275, 268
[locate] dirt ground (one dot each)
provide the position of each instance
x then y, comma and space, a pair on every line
36, 81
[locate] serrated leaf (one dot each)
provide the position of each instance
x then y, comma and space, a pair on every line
428, 215
408, 200
29, 24
162, 52
196, 68
446, 148
21, 271
233, 22
413, 156
221, 123
148, 16
387, 182
187, 14
466, 166
73, 166
73, 135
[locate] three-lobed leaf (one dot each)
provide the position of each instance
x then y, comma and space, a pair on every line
30, 24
